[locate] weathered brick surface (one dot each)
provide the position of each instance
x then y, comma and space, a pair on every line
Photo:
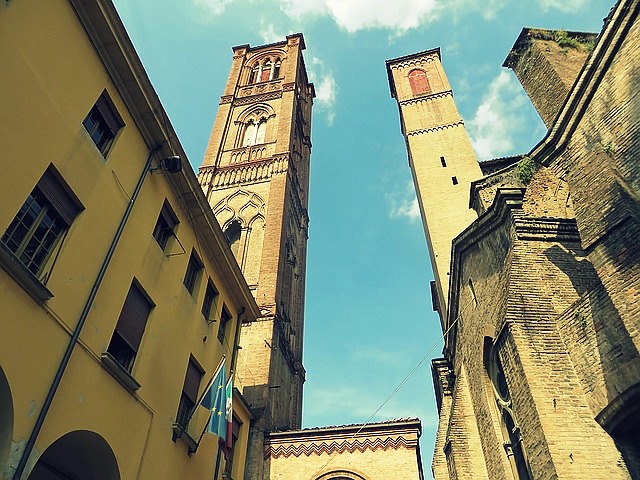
547, 69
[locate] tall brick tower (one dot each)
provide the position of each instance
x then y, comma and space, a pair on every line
440, 156
255, 174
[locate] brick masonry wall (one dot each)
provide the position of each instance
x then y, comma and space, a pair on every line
603, 173
546, 69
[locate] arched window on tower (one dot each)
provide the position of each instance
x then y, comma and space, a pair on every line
418, 81
266, 71
276, 69
254, 132
254, 75
249, 134
232, 233
261, 131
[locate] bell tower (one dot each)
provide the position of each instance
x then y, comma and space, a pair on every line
441, 158
255, 175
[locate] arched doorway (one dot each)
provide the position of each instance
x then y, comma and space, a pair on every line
6, 419
79, 455
341, 475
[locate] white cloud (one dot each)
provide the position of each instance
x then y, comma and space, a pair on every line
215, 7
325, 86
498, 118
563, 5
488, 9
404, 204
356, 15
269, 34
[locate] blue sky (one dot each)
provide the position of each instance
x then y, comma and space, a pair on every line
368, 311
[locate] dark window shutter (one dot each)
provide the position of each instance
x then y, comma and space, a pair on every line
419, 82
168, 215
56, 194
108, 111
192, 381
133, 318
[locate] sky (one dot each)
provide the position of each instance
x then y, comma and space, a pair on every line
369, 322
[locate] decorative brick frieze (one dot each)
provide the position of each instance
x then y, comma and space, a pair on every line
426, 97
438, 127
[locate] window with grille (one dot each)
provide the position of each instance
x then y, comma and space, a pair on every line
209, 304
103, 123
36, 232
193, 270
189, 395
132, 322
225, 319
165, 226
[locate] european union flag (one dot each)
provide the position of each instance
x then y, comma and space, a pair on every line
216, 401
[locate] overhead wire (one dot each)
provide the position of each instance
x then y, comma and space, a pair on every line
398, 388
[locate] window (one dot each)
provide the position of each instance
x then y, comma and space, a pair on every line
232, 233
276, 70
225, 318
266, 71
165, 225
254, 132
454, 180
130, 327
189, 395
193, 269
209, 304
418, 82
510, 429
103, 123
40, 224
236, 424
443, 161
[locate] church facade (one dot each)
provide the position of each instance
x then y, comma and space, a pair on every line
539, 301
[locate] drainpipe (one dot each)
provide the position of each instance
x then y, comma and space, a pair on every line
81, 321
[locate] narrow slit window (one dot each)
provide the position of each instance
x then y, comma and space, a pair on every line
454, 180
443, 161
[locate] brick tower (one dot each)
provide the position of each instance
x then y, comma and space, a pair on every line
440, 156
255, 174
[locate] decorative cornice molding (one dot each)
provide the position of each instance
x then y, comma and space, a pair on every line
546, 229
263, 97
263, 169
347, 445
225, 99
289, 87
426, 97
413, 62
258, 88
438, 127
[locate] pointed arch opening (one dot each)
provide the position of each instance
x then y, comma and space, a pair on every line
512, 436
232, 233
77, 455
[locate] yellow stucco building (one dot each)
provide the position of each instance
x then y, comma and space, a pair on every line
119, 293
